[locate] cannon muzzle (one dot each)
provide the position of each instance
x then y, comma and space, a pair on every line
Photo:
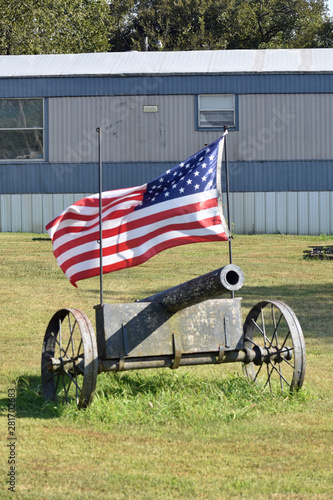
208, 286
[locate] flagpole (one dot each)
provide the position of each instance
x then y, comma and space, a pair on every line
228, 199
99, 131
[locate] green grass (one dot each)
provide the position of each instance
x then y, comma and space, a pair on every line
197, 432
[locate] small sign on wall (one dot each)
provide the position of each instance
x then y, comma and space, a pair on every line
150, 108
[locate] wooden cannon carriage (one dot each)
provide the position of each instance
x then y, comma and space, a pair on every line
189, 324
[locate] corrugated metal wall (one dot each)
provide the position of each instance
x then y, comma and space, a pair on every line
271, 127
129, 134
284, 127
252, 213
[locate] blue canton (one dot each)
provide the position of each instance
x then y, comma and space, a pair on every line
197, 174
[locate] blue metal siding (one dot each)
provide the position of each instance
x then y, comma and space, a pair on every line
272, 176
167, 85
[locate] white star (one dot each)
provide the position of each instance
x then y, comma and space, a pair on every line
174, 186
181, 190
175, 173
211, 170
189, 181
166, 194
168, 171
196, 173
211, 157
181, 164
196, 186
161, 180
204, 178
204, 165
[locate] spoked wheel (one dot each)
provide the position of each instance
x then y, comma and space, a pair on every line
69, 358
274, 335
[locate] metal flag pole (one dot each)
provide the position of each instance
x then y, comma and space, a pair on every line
227, 192
99, 131
228, 200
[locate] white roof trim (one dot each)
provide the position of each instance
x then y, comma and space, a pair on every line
169, 63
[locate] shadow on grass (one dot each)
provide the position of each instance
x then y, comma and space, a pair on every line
312, 304
160, 396
29, 400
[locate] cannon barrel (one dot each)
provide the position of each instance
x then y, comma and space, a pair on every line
208, 286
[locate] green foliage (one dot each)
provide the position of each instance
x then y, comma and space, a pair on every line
63, 26
221, 24
53, 26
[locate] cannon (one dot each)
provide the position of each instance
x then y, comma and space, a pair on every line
190, 324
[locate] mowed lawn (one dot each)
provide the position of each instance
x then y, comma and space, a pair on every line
194, 433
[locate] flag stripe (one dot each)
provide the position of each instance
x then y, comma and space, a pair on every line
88, 208
118, 227
140, 241
140, 259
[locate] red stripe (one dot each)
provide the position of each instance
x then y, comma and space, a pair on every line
106, 204
135, 224
89, 273
126, 245
86, 218
82, 229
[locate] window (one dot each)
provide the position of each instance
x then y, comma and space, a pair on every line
216, 110
21, 129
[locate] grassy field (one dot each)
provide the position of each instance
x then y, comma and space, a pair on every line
195, 433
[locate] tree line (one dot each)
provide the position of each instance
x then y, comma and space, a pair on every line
76, 26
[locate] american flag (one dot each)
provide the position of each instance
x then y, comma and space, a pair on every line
181, 206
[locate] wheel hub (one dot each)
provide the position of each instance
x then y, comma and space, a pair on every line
266, 355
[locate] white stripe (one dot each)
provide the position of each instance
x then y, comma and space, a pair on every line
136, 252
122, 203
140, 214
138, 232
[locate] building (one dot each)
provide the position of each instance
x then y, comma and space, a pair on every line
155, 110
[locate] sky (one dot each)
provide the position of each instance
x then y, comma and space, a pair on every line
330, 6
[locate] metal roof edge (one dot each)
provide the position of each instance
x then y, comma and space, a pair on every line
168, 63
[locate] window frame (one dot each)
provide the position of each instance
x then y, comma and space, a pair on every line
9, 129
198, 110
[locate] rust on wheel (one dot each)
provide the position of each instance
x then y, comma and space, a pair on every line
69, 358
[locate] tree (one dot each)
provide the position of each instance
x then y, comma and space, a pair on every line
259, 24
73, 26
221, 24
53, 26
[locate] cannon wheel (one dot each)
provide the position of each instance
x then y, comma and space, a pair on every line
69, 358
272, 326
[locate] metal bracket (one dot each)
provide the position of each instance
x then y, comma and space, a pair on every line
125, 340
177, 351
226, 332
221, 355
